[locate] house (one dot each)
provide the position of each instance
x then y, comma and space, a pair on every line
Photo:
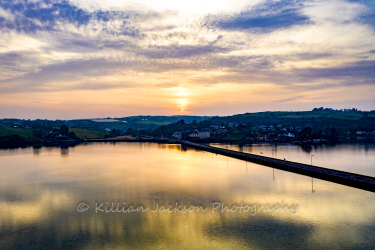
197, 133
217, 127
177, 135
233, 125
193, 134
262, 137
263, 127
221, 132
107, 129
204, 133
361, 132
289, 135
62, 137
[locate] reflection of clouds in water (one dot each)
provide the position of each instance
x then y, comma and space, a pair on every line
35, 209
158, 229
253, 232
44, 193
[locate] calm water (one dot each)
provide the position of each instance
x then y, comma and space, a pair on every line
355, 158
41, 191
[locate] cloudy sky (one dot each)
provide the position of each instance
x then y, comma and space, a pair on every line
95, 58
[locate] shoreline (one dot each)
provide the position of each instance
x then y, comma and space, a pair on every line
38, 144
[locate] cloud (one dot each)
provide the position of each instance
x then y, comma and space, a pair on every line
361, 72
313, 56
261, 70
31, 16
51, 15
182, 51
368, 14
73, 70
15, 64
10, 59
289, 99
265, 17
82, 44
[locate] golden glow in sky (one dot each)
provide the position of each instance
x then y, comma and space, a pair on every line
121, 58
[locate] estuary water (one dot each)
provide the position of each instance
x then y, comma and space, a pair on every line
356, 158
157, 196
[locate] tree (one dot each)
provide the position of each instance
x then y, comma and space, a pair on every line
317, 134
72, 135
312, 120
181, 122
129, 131
64, 130
305, 133
333, 134
141, 132
204, 124
37, 133
115, 132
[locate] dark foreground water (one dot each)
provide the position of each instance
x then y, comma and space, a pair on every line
174, 198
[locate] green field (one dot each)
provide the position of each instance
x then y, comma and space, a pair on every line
153, 122
306, 114
21, 132
28, 133
346, 116
87, 134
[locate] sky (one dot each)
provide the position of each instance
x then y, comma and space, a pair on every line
92, 58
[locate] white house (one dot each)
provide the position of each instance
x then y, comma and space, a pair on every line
290, 135
204, 133
197, 133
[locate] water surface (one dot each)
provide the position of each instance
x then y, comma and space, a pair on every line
41, 190
356, 158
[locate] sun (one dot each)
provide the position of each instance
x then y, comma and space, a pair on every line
181, 98
182, 104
